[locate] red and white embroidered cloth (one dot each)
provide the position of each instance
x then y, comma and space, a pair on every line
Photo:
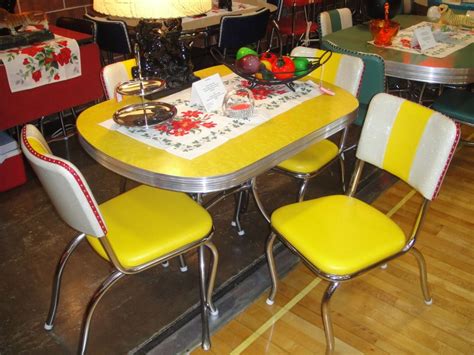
41, 63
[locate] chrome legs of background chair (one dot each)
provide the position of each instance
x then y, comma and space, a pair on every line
206, 290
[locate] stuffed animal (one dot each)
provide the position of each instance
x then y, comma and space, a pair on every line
12, 21
448, 17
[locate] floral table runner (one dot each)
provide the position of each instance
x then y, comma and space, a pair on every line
42, 63
450, 39
194, 132
236, 6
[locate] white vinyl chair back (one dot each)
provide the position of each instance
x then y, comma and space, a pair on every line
342, 70
334, 20
64, 184
115, 74
408, 140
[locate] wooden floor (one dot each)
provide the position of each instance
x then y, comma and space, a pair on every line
382, 311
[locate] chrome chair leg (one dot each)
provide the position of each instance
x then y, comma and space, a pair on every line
212, 278
302, 190
48, 325
271, 266
258, 202
342, 165
206, 339
325, 313
238, 208
423, 276
182, 264
96, 297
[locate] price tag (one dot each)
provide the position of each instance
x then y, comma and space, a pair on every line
423, 36
209, 92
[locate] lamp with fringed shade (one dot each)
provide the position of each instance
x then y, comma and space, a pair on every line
159, 51
152, 9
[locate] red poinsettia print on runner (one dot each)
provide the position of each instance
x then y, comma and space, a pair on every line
263, 92
190, 121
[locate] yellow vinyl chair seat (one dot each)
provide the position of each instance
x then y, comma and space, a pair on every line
152, 229
312, 158
339, 235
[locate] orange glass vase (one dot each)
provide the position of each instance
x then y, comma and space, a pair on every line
383, 31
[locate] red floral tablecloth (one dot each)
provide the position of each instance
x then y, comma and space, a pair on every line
42, 63
193, 131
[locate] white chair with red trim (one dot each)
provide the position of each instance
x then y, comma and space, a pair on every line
340, 237
114, 74
134, 231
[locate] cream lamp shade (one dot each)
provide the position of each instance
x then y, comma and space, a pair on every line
152, 9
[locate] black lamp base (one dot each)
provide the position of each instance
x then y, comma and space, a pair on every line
163, 55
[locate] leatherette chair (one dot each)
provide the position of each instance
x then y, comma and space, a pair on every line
78, 24
373, 80
114, 74
299, 23
346, 72
334, 20
112, 37
133, 231
340, 237
459, 105
236, 31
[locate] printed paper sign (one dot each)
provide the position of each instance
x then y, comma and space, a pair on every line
209, 92
424, 37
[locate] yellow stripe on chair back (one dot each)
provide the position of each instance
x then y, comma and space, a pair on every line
403, 142
408, 140
342, 70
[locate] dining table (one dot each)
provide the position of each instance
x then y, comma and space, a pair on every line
17, 108
234, 162
456, 68
213, 17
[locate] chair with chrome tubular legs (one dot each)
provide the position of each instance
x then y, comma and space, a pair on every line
340, 237
345, 71
113, 75
134, 231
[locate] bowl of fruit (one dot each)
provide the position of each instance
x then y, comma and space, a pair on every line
269, 68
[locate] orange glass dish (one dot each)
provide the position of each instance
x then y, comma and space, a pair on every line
383, 31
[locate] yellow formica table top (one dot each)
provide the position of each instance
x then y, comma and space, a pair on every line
228, 165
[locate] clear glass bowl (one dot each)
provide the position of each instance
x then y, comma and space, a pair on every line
238, 103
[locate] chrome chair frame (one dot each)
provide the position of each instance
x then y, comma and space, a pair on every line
77, 207
305, 178
120, 271
336, 280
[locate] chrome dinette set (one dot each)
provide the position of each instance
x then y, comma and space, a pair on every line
336, 252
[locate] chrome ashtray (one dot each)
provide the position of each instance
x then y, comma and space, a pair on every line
146, 114
238, 103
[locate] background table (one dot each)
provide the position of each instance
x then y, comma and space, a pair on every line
24, 106
457, 68
210, 21
229, 165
